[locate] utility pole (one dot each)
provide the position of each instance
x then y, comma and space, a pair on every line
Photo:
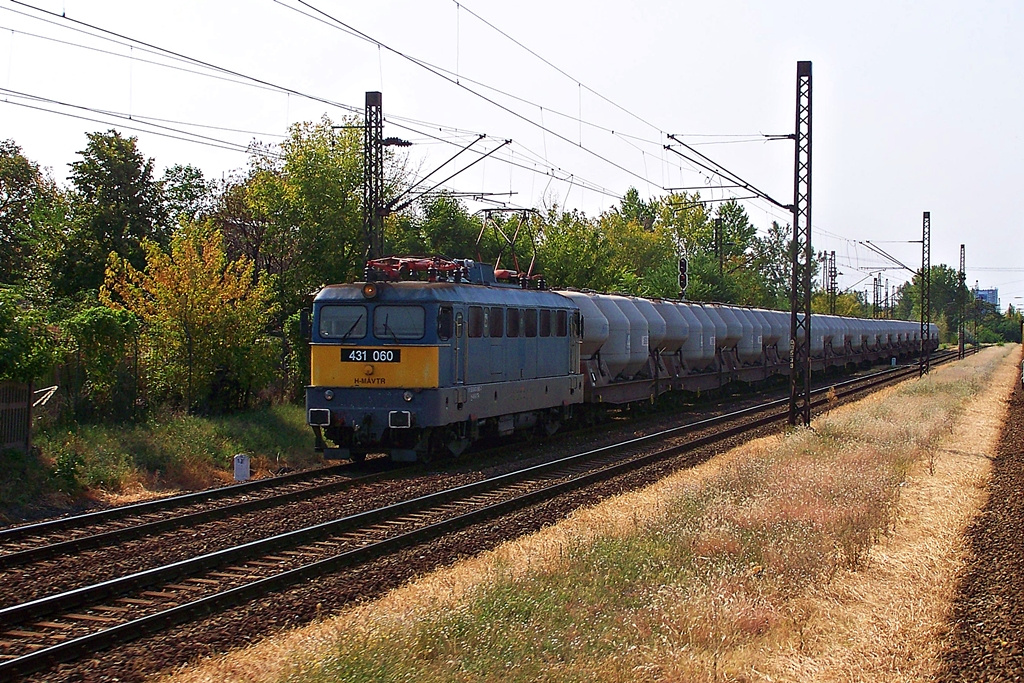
373, 175
977, 312
831, 284
684, 272
719, 252
926, 294
800, 290
961, 295
888, 309
876, 297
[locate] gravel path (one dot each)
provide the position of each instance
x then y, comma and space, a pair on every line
987, 639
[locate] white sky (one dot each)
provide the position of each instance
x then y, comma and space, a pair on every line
916, 105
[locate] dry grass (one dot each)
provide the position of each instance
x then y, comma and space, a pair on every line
822, 555
888, 621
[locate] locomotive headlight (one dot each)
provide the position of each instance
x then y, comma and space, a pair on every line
329, 395
407, 396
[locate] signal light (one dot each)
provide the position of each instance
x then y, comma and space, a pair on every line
370, 290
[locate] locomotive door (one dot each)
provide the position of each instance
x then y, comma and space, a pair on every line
460, 349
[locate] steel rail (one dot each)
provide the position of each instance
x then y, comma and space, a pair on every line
113, 536
100, 516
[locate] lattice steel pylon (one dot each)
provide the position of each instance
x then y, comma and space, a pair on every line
961, 295
833, 284
924, 358
373, 175
800, 291
876, 300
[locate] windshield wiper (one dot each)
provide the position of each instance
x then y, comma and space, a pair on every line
388, 330
345, 336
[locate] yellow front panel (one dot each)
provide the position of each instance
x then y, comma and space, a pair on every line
417, 368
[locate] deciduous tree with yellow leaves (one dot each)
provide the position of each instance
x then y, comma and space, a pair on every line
203, 320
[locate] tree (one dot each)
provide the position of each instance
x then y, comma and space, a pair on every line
572, 251
773, 265
101, 342
740, 267
847, 303
946, 295
248, 230
31, 211
441, 226
300, 208
26, 344
118, 206
187, 195
203, 318
20, 181
643, 255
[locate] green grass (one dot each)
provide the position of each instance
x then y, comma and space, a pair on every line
169, 451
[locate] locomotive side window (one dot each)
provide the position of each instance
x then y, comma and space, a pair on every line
495, 322
512, 323
561, 324
545, 323
476, 321
530, 322
399, 322
445, 323
343, 322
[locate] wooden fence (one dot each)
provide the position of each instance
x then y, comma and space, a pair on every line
15, 416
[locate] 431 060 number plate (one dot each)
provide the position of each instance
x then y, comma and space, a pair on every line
371, 355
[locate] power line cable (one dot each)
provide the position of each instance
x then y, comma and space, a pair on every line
267, 84
208, 65
559, 70
140, 118
148, 47
222, 144
131, 57
456, 82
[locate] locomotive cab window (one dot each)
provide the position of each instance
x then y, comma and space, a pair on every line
530, 322
512, 323
343, 322
445, 323
495, 322
545, 323
476, 321
398, 322
561, 324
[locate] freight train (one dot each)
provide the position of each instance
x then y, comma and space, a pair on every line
428, 355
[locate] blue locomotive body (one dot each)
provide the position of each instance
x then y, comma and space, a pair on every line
418, 368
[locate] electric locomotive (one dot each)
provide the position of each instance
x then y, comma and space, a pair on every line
420, 368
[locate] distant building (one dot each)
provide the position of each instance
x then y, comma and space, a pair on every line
990, 296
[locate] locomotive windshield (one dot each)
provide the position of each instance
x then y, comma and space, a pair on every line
343, 322
398, 322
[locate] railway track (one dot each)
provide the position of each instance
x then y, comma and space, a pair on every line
76, 623
28, 543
